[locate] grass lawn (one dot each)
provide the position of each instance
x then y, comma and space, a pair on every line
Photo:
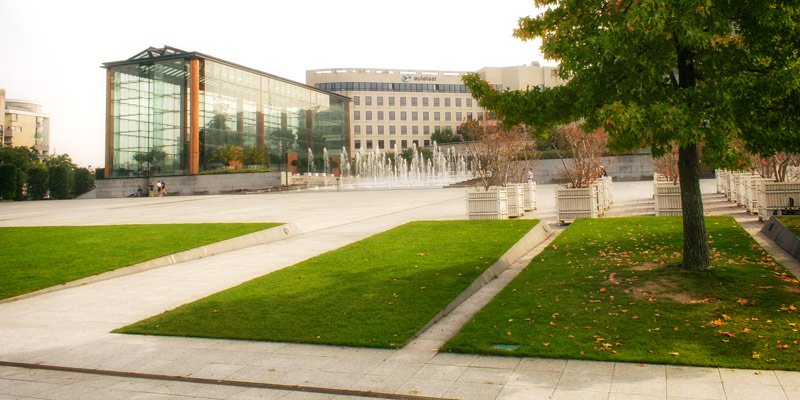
610, 289
792, 223
377, 292
33, 258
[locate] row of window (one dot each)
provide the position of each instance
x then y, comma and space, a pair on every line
437, 101
426, 115
392, 144
396, 87
381, 130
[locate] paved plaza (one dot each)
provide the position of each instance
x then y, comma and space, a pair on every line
58, 345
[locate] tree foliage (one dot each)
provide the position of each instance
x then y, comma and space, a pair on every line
84, 181
58, 182
666, 73
37, 181
8, 181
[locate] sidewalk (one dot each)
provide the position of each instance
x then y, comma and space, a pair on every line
69, 329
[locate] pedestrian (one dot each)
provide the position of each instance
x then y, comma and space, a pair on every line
158, 188
163, 187
529, 175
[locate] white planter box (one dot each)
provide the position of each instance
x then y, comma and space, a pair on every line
742, 194
529, 192
572, 203
729, 183
721, 180
516, 200
487, 204
776, 198
748, 192
668, 200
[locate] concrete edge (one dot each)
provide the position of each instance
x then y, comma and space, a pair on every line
533, 238
782, 236
266, 236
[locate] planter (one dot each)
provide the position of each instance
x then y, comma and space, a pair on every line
516, 200
668, 200
529, 192
487, 204
574, 203
721, 180
604, 195
777, 198
742, 194
749, 192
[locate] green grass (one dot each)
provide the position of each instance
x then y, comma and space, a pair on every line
611, 289
33, 258
377, 292
792, 223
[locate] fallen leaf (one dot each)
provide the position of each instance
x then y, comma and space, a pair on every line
717, 322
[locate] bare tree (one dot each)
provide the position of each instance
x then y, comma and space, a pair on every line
497, 152
587, 148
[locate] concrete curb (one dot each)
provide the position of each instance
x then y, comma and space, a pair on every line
240, 242
776, 231
533, 238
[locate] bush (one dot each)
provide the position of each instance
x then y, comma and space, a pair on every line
99, 173
8, 181
58, 182
37, 181
84, 181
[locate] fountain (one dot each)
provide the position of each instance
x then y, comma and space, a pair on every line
371, 169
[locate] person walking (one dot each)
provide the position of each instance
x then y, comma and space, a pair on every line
163, 187
158, 188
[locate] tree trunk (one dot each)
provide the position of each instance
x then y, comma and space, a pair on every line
695, 241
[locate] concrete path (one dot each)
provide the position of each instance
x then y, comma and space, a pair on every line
58, 346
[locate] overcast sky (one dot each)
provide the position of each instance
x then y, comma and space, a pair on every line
51, 51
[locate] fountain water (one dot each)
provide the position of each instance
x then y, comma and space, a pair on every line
378, 169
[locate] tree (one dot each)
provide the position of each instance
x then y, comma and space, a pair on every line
58, 181
255, 155
37, 181
663, 73
494, 150
8, 181
586, 150
84, 181
229, 154
446, 135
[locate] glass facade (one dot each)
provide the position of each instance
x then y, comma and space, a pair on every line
150, 109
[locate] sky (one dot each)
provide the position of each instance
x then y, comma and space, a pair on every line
51, 51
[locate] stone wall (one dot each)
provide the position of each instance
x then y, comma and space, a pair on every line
190, 185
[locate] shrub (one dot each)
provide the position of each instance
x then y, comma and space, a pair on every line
99, 173
84, 181
8, 181
58, 182
37, 181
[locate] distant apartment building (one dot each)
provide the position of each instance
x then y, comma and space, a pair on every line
397, 108
24, 124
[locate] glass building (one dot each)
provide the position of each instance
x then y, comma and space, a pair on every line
172, 112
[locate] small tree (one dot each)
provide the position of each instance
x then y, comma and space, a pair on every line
8, 181
58, 182
255, 155
775, 166
444, 135
37, 181
587, 148
667, 165
84, 181
494, 150
229, 154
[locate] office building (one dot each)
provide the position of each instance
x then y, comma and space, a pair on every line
24, 124
170, 111
396, 108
